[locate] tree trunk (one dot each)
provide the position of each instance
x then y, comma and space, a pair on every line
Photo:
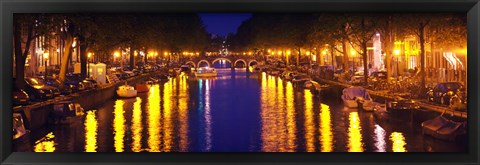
422, 54
145, 57
21, 56
132, 57
388, 49
83, 56
365, 65
345, 57
298, 57
66, 57
333, 57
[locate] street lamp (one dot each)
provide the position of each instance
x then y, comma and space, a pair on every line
45, 57
397, 53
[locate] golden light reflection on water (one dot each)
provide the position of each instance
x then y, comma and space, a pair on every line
291, 120
119, 125
309, 125
379, 138
398, 142
355, 143
268, 121
326, 134
183, 114
167, 116
278, 119
137, 125
91, 128
45, 144
153, 115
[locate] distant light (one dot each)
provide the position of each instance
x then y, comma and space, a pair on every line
378, 34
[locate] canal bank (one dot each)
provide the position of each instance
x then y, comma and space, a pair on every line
382, 96
37, 114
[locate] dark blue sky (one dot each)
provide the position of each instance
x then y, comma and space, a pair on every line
223, 23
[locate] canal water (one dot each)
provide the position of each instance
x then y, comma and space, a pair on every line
231, 113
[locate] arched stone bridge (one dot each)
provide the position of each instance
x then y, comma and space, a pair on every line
234, 60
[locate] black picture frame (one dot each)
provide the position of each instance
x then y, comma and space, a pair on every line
7, 8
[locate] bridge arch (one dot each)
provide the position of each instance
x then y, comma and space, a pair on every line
218, 59
240, 60
192, 63
200, 62
251, 61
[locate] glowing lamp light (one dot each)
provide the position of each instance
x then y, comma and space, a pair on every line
308, 53
89, 55
165, 53
396, 51
269, 51
279, 52
116, 54
288, 52
45, 55
352, 52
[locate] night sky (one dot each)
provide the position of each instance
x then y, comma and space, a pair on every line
223, 23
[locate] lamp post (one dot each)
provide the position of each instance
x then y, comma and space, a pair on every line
45, 57
397, 53
353, 55
88, 64
115, 55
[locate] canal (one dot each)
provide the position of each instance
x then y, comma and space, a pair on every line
231, 113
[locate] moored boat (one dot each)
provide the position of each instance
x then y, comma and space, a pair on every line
19, 129
126, 91
352, 96
66, 112
206, 72
443, 128
142, 87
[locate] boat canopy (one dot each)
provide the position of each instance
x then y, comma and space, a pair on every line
353, 92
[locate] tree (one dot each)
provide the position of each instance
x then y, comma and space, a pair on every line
361, 28
445, 29
26, 28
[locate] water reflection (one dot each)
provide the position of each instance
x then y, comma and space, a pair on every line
309, 125
137, 125
167, 116
291, 120
45, 144
91, 128
379, 138
270, 140
326, 134
355, 143
119, 125
208, 118
278, 119
398, 142
265, 113
153, 112
183, 100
